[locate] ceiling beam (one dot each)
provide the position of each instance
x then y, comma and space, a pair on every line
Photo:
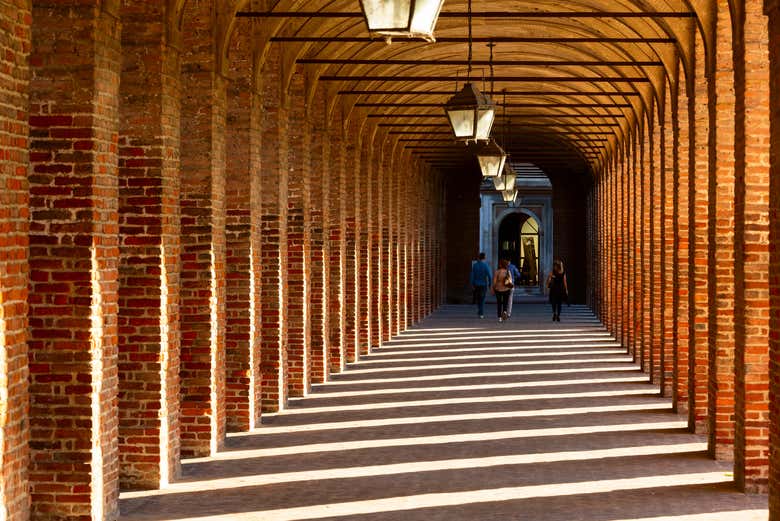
412, 92
479, 14
479, 39
506, 79
513, 116
508, 105
480, 63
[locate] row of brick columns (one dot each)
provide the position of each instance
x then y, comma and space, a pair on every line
686, 247
206, 238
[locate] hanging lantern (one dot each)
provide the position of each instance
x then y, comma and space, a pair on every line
470, 114
407, 18
505, 181
509, 196
492, 159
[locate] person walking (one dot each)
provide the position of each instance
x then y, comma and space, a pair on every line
502, 284
558, 288
515, 279
480, 280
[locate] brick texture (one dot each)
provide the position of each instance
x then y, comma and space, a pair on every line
73, 261
202, 199
149, 255
15, 19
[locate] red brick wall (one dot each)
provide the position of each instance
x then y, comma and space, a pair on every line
774, 270
149, 263
242, 241
699, 209
297, 262
337, 245
274, 298
73, 252
751, 207
721, 236
686, 165
14, 276
319, 204
202, 202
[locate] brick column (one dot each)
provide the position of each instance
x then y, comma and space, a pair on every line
773, 10
319, 203
376, 287
364, 219
242, 325
14, 269
646, 169
668, 168
273, 235
388, 271
721, 237
73, 270
656, 249
395, 245
637, 252
204, 108
149, 254
683, 265
298, 240
337, 246
352, 162
752, 268
699, 209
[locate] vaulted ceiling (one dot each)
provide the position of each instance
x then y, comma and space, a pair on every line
571, 78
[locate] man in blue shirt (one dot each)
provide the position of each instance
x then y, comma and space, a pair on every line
481, 277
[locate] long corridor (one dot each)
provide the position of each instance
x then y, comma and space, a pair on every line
468, 419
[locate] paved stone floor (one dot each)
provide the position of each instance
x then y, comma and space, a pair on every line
468, 419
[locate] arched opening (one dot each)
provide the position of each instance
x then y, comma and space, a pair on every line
518, 241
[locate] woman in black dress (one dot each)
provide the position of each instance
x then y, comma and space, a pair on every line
556, 284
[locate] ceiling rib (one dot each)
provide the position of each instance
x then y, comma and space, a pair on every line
481, 63
479, 39
479, 14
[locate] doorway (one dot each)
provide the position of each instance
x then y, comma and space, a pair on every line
518, 241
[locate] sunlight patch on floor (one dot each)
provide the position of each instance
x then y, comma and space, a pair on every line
503, 352
450, 499
464, 401
625, 359
445, 439
417, 420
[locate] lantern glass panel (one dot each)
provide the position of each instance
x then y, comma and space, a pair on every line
509, 195
426, 12
383, 14
485, 118
491, 165
462, 121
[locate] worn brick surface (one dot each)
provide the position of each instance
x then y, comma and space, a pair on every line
149, 262
15, 19
73, 261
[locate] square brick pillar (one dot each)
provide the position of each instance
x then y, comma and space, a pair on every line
721, 239
149, 262
656, 249
637, 252
395, 245
683, 261
364, 218
411, 259
352, 195
298, 240
319, 204
203, 211
773, 11
242, 227
386, 246
274, 291
336, 235
669, 167
376, 287
752, 268
700, 247
73, 261
14, 270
